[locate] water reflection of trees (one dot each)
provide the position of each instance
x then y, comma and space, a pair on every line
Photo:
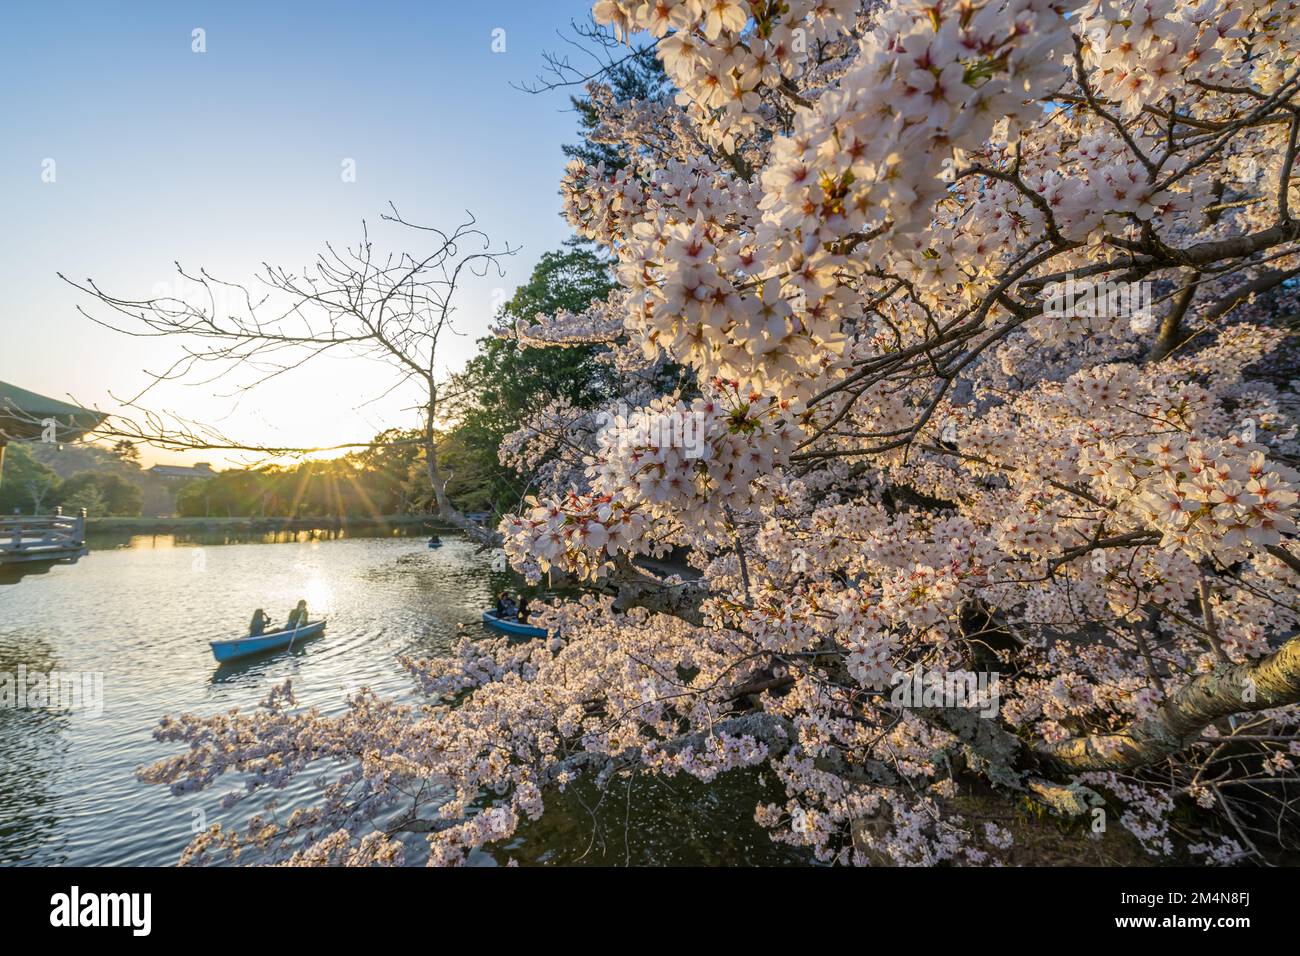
113, 540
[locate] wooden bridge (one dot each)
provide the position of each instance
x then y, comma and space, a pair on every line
33, 545
28, 543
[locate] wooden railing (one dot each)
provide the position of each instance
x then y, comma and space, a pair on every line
26, 538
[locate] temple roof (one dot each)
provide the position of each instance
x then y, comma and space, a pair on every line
23, 413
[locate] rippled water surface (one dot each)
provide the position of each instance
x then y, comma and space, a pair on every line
141, 613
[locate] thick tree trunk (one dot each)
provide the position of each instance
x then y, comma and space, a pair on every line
1229, 689
1171, 328
445, 509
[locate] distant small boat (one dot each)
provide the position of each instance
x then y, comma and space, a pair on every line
268, 641
512, 627
435, 542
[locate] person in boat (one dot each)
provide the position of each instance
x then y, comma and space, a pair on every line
435, 540
505, 606
298, 616
523, 609
257, 626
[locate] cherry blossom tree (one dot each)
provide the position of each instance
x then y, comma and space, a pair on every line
849, 230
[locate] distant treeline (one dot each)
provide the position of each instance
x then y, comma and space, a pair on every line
495, 391
385, 480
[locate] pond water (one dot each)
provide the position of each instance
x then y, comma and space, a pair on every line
141, 610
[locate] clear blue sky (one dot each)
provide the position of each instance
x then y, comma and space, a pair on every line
232, 157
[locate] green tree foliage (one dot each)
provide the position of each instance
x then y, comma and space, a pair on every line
127, 452
392, 472
87, 498
504, 382
100, 494
367, 484
26, 484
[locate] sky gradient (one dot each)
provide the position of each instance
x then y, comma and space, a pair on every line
231, 157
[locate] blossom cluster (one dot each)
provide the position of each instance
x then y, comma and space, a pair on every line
720, 54
1209, 498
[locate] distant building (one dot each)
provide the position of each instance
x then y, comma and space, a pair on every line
200, 470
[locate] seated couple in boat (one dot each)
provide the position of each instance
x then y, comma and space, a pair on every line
508, 610
297, 618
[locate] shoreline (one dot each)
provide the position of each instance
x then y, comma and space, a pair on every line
247, 524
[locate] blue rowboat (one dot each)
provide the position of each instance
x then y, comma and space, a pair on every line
512, 627
269, 641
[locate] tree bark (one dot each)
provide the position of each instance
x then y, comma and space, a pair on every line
446, 510
1229, 689
1171, 329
